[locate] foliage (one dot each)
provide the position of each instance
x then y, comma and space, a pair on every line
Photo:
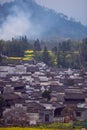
46, 56
46, 94
83, 49
2, 104
37, 46
53, 126
66, 54
17, 116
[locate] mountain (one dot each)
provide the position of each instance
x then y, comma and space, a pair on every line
26, 17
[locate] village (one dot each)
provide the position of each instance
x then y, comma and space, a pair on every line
35, 93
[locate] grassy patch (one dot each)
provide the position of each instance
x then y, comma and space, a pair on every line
53, 126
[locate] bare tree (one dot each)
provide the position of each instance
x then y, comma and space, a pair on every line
16, 116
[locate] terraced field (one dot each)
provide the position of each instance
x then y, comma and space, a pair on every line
30, 54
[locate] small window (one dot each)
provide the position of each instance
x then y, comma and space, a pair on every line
47, 118
78, 114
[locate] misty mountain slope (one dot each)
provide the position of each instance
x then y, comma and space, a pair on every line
26, 17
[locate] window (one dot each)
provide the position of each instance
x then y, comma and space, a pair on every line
78, 114
47, 118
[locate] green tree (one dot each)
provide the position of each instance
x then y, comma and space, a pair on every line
38, 56
46, 57
1, 49
84, 51
46, 94
54, 49
16, 47
61, 59
37, 46
65, 45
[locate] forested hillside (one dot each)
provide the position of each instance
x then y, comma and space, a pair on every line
67, 53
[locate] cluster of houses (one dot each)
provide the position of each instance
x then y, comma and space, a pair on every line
22, 86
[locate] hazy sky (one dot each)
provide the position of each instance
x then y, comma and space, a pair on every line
3, 1
72, 8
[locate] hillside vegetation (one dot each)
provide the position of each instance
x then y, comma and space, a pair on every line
64, 54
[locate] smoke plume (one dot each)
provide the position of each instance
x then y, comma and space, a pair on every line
5, 1
18, 23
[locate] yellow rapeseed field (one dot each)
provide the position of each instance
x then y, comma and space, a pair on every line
22, 128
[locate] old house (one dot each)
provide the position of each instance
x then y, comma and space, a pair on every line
38, 113
47, 116
11, 99
5, 70
58, 111
20, 69
81, 112
74, 98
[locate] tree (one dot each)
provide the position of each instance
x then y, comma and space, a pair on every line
84, 51
46, 94
54, 49
15, 48
61, 59
17, 116
68, 111
2, 105
1, 49
38, 56
37, 46
65, 45
46, 57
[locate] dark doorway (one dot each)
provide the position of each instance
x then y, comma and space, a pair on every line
46, 118
57, 112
